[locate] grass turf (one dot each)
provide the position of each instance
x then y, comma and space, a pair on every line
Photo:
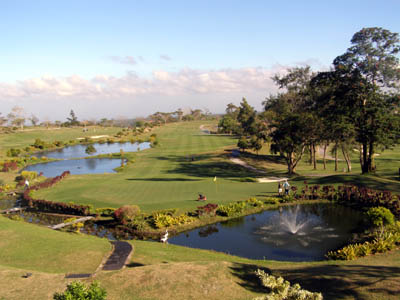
27, 246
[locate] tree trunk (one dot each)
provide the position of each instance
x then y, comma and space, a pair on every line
347, 158
336, 157
364, 164
314, 156
311, 155
371, 164
325, 147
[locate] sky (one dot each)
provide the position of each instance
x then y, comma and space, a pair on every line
126, 59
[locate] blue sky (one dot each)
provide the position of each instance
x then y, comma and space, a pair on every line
132, 58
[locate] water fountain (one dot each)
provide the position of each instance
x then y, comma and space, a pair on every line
291, 222
292, 233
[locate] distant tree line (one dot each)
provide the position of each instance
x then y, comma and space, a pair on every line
355, 105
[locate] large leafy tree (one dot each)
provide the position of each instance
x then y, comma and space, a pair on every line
370, 72
293, 123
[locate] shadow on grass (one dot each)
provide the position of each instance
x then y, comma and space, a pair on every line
249, 279
333, 281
134, 265
339, 281
211, 169
162, 179
369, 181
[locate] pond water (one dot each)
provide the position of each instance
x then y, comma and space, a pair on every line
77, 166
294, 233
78, 151
84, 166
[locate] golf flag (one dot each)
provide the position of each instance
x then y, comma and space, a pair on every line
215, 179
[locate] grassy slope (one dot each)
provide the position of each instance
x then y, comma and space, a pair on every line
160, 271
27, 246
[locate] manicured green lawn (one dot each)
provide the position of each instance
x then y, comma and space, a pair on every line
185, 163
166, 176
35, 248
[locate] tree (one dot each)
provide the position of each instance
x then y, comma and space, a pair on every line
17, 116
73, 120
290, 137
34, 120
372, 66
3, 120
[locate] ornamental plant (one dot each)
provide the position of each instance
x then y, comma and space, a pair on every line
126, 213
380, 217
281, 289
77, 290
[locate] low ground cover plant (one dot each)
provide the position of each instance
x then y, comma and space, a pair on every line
281, 289
77, 290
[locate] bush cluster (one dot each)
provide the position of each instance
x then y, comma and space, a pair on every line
165, 220
387, 241
126, 213
280, 289
351, 195
209, 209
9, 166
105, 211
77, 290
231, 209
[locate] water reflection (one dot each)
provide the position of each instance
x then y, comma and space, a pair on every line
78, 151
77, 166
318, 228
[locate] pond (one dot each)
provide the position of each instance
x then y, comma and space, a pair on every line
78, 151
293, 233
76, 166
83, 166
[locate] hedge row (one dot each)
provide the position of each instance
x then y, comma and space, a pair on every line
50, 206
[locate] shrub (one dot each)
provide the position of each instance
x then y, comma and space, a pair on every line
30, 175
105, 211
9, 166
164, 220
208, 209
231, 209
281, 289
39, 144
77, 290
90, 149
254, 202
126, 213
13, 152
272, 200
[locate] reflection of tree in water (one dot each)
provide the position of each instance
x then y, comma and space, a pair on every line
209, 230
91, 163
233, 222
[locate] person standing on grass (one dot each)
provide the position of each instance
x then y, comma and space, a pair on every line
286, 186
280, 188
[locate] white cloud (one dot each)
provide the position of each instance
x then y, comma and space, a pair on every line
105, 95
184, 82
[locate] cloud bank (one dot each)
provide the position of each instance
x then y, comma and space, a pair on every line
134, 95
184, 82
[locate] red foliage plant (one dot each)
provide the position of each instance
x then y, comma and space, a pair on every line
50, 206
